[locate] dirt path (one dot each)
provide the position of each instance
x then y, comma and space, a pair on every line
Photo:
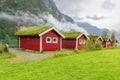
23, 56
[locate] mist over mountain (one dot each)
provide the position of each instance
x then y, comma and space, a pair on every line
32, 6
16, 13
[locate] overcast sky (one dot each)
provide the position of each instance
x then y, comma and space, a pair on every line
101, 13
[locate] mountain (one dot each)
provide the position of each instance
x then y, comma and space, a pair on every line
15, 13
34, 7
90, 28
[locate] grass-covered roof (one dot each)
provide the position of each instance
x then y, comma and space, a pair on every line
106, 39
93, 37
33, 30
71, 34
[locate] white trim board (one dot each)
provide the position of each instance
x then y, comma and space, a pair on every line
76, 43
41, 44
19, 42
100, 38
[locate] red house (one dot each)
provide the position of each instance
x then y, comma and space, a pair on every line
74, 40
95, 39
44, 38
107, 43
114, 43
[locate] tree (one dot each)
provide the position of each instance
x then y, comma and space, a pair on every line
113, 37
7, 39
104, 35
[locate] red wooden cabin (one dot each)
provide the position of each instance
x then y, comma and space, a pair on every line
40, 39
74, 40
114, 43
107, 43
95, 39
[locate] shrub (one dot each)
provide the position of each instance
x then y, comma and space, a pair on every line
93, 46
1, 49
98, 46
4, 49
90, 45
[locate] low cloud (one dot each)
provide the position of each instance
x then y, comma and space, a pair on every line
65, 26
28, 19
95, 17
106, 12
23, 19
108, 5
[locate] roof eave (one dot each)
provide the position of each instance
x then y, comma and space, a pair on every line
100, 38
84, 35
50, 30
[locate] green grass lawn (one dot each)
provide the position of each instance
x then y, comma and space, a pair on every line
94, 65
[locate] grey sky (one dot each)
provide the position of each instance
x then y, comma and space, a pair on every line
101, 13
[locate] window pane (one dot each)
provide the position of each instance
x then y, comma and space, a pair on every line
82, 42
48, 39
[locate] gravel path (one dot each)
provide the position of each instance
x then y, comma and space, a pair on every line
23, 56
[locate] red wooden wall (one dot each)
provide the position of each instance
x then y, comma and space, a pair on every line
108, 45
99, 40
81, 46
51, 46
69, 43
32, 43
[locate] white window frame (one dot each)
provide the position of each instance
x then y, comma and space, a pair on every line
56, 40
48, 41
82, 41
108, 43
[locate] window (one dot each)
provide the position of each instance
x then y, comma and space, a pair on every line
108, 43
55, 40
82, 42
48, 40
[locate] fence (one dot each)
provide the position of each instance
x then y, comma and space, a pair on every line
13, 42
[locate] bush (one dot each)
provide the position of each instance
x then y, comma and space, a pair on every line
1, 49
98, 46
91, 46
4, 49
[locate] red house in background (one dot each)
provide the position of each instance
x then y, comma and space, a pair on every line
114, 43
107, 43
95, 39
74, 40
44, 38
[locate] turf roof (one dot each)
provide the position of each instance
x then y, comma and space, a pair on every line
34, 30
93, 37
71, 34
106, 39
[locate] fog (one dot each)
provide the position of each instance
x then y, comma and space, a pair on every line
39, 20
